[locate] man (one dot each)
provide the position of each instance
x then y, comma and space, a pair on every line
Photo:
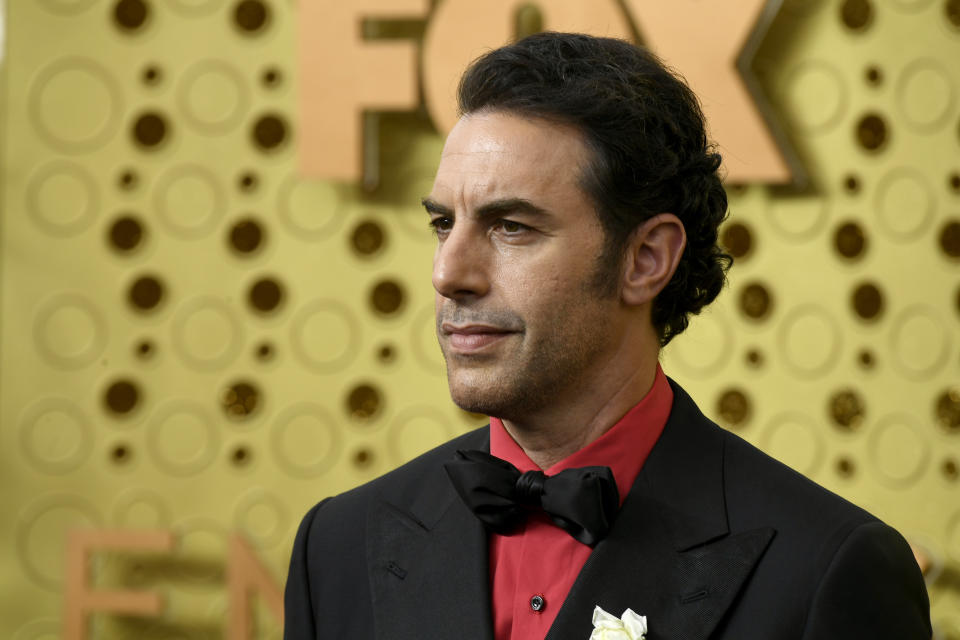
576, 208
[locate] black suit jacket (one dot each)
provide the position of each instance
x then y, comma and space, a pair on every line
715, 540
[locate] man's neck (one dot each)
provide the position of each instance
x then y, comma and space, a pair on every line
566, 426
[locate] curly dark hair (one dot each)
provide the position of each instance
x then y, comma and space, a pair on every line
647, 135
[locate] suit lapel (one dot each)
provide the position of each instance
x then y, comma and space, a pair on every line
427, 561
669, 555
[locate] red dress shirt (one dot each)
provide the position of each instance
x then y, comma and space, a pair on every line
541, 559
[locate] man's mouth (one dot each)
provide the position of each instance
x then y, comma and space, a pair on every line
472, 338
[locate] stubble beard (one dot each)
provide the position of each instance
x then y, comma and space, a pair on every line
553, 362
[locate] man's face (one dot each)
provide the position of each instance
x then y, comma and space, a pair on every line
519, 316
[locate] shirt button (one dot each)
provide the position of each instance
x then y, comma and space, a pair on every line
537, 603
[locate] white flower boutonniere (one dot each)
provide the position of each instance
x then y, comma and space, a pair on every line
629, 626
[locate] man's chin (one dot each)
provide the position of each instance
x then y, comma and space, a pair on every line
474, 391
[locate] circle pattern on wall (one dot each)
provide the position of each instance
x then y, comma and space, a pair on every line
794, 439
919, 341
925, 94
55, 435
75, 105
182, 438
305, 440
69, 332
206, 333
904, 204
325, 335
898, 452
190, 201
816, 95
809, 340
213, 96
62, 198
311, 209
42, 535
262, 516
706, 345
141, 508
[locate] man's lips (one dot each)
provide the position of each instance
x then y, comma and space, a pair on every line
472, 337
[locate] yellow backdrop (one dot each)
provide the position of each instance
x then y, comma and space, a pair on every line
196, 339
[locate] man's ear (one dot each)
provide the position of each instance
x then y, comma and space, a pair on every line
652, 256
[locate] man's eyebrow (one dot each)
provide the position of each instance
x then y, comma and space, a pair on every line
432, 206
510, 205
489, 209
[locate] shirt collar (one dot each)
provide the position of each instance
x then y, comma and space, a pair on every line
624, 447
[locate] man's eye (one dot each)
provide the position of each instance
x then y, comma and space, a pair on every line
441, 225
510, 226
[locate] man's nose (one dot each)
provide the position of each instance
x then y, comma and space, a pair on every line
459, 266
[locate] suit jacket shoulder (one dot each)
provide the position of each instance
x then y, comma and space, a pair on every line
829, 564
330, 587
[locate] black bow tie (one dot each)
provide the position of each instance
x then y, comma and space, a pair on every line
580, 501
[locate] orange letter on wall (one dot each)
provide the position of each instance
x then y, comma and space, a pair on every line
246, 575
702, 40
80, 600
341, 75
461, 30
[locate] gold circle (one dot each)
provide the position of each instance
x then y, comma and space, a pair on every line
122, 397
241, 456
248, 181
246, 236
856, 15
131, 15
152, 75
948, 410
240, 400
954, 181
950, 239
126, 232
146, 293
272, 77
121, 454
362, 458
951, 8
847, 409
850, 240
266, 295
368, 238
387, 353
872, 132
265, 351
269, 132
950, 469
851, 183
387, 297
364, 402
145, 349
733, 407
737, 239
867, 301
755, 301
846, 467
128, 180
251, 16
150, 130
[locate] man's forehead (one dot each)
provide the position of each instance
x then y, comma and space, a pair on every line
486, 153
